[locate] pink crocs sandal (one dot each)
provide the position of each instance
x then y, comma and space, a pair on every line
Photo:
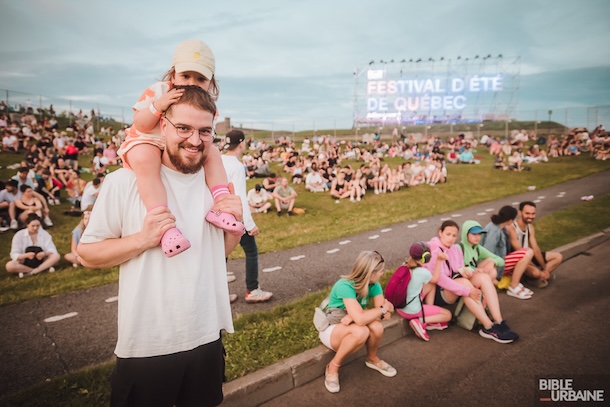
226, 221
173, 242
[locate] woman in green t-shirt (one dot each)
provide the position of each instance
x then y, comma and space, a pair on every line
351, 325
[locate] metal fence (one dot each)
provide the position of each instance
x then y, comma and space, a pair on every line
588, 117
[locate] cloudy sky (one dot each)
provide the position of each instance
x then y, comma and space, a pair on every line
290, 64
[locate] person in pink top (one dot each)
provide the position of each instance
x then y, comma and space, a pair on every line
456, 280
193, 64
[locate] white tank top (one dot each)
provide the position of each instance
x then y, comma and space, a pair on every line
523, 235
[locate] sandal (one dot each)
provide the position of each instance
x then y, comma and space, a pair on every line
520, 292
382, 367
331, 381
173, 242
226, 221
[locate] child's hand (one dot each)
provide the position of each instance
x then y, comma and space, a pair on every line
466, 272
475, 294
442, 255
167, 99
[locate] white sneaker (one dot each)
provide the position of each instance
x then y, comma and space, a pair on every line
51, 269
14, 224
230, 278
51, 202
258, 295
57, 202
47, 221
4, 228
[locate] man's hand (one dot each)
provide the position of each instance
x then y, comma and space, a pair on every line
156, 222
230, 204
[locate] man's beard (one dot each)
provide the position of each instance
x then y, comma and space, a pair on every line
183, 166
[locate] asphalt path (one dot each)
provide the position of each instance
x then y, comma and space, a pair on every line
45, 338
563, 330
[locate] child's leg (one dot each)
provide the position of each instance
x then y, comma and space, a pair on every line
216, 178
145, 162
434, 313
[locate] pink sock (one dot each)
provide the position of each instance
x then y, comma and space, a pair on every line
219, 190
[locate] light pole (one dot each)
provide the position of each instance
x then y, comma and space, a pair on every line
427, 127
479, 131
549, 124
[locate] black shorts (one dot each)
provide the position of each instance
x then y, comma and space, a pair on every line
438, 297
536, 261
190, 378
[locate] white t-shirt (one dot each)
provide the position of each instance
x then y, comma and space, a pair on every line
166, 305
22, 240
89, 196
236, 173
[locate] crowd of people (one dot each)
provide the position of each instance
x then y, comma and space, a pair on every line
503, 255
178, 192
50, 165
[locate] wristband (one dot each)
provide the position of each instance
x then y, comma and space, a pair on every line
154, 111
383, 311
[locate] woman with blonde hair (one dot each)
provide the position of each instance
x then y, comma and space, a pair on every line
351, 325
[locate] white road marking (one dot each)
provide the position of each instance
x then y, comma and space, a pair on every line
489, 209
560, 196
444, 219
60, 317
482, 213
456, 215
374, 237
412, 226
537, 200
541, 197
111, 299
386, 230
515, 203
345, 242
562, 193
302, 256
270, 269
331, 251
422, 221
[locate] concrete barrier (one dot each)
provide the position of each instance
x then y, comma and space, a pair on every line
265, 384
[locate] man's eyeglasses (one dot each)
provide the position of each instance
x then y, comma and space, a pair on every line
185, 132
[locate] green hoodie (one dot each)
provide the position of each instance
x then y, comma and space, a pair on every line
473, 254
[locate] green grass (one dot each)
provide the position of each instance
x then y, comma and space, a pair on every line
264, 338
324, 220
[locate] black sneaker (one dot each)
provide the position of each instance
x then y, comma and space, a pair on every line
289, 213
279, 213
505, 328
496, 334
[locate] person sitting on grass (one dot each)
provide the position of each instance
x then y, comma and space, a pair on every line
258, 199
32, 250
28, 203
340, 188
423, 317
351, 325
496, 240
285, 197
73, 256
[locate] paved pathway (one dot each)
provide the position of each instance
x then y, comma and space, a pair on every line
563, 332
45, 338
